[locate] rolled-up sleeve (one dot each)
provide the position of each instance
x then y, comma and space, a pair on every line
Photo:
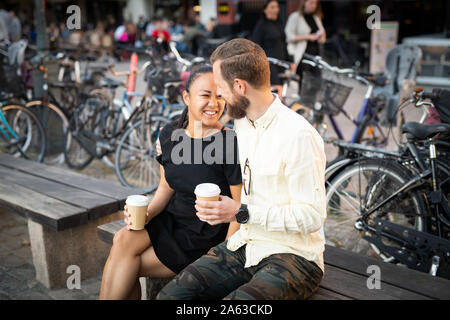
304, 170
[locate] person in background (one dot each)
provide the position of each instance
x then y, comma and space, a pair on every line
269, 34
53, 34
198, 22
64, 33
161, 35
141, 25
14, 27
304, 32
4, 22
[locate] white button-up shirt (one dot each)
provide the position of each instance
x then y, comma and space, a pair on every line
286, 202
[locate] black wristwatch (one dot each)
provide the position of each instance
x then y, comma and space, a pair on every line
242, 215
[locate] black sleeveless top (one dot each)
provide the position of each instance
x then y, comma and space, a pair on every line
177, 234
312, 46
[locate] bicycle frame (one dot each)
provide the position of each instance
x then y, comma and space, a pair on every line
8, 128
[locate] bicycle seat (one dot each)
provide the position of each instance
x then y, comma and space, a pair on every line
424, 131
63, 85
110, 83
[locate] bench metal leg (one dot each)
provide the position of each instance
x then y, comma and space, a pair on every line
53, 252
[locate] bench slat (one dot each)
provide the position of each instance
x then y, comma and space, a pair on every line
355, 286
325, 294
94, 204
107, 231
62, 175
55, 214
434, 287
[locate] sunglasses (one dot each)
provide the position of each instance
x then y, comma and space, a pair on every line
247, 179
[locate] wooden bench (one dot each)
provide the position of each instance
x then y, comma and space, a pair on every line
63, 210
346, 277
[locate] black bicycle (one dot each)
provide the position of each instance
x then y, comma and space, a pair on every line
398, 201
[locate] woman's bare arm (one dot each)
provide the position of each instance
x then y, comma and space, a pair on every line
162, 197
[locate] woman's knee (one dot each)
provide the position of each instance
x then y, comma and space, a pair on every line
131, 242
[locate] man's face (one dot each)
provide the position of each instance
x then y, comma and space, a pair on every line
236, 103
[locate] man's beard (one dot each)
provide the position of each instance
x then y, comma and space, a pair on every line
237, 108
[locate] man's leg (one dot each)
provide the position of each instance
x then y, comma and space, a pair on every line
212, 276
280, 277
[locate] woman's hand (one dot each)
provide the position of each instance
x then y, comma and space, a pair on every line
127, 218
313, 37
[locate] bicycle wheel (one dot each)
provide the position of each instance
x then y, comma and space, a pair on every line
55, 125
28, 137
360, 187
135, 160
85, 122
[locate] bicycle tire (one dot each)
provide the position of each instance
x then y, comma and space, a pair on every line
76, 155
55, 126
33, 148
388, 176
145, 157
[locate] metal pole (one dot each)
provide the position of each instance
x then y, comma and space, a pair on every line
42, 45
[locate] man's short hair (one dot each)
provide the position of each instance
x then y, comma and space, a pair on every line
243, 59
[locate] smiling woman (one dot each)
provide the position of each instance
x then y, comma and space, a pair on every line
174, 236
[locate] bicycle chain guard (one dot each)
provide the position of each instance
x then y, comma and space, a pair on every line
418, 248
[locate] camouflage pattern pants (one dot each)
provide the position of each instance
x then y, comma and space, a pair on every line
220, 274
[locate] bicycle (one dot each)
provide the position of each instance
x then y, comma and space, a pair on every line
396, 200
325, 97
22, 133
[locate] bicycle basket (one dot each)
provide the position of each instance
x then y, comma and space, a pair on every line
10, 80
324, 95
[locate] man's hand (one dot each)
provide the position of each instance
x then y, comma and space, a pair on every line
216, 212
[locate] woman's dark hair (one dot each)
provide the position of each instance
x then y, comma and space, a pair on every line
183, 121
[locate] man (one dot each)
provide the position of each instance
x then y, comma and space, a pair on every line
277, 253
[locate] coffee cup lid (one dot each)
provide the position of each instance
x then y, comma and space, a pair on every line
207, 190
137, 200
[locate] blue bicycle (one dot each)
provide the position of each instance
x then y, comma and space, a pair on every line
21, 133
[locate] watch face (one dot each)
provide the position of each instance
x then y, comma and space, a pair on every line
242, 215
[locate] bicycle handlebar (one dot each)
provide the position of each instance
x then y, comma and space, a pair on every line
127, 73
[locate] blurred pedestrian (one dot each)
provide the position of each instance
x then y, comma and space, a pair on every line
4, 22
14, 27
269, 34
304, 32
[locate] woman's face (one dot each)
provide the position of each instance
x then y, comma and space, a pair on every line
272, 10
310, 6
203, 101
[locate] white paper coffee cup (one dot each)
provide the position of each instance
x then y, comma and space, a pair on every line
207, 192
137, 207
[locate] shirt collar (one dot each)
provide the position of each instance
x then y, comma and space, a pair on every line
266, 119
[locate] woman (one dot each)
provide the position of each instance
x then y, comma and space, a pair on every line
304, 32
174, 236
268, 33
